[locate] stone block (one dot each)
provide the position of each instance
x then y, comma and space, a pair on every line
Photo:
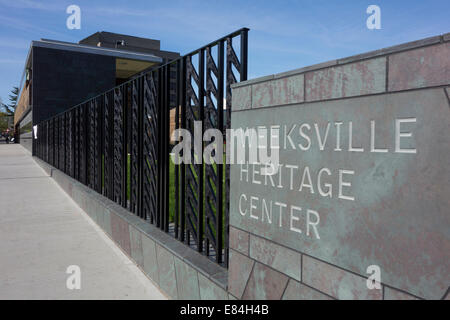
393, 294
209, 290
297, 291
279, 91
104, 220
239, 267
354, 79
265, 284
419, 68
187, 281
136, 246
278, 257
167, 273
239, 240
149, 257
242, 98
336, 282
288, 90
120, 233
262, 95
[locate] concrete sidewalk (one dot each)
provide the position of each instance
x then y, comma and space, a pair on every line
42, 232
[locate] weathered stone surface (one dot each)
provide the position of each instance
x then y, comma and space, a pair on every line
80, 196
288, 90
93, 208
239, 270
424, 67
136, 246
239, 240
242, 98
285, 90
187, 281
393, 49
313, 67
252, 81
384, 224
336, 282
280, 258
392, 294
104, 220
166, 269
262, 95
120, 233
209, 290
63, 181
265, 284
354, 79
297, 291
89, 206
150, 260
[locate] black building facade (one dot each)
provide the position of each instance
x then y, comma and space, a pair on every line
59, 75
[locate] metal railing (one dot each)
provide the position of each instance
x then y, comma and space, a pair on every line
118, 144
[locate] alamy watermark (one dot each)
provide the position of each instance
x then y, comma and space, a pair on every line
74, 19
73, 282
374, 280
260, 145
374, 20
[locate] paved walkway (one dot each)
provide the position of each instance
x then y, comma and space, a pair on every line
42, 232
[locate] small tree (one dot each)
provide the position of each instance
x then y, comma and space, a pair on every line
9, 109
13, 99
3, 122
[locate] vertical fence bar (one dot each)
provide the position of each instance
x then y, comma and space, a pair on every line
72, 133
219, 171
177, 178
140, 146
166, 143
85, 143
111, 144
100, 143
125, 145
182, 236
133, 146
56, 142
159, 202
64, 145
244, 55
201, 118
77, 143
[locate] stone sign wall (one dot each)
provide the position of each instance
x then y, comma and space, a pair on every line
363, 184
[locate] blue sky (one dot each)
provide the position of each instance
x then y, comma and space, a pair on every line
284, 35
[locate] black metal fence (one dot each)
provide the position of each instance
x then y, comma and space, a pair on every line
118, 143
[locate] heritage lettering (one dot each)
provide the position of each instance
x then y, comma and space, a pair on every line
310, 180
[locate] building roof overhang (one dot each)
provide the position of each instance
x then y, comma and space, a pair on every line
75, 47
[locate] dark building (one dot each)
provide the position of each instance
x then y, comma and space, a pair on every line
59, 75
